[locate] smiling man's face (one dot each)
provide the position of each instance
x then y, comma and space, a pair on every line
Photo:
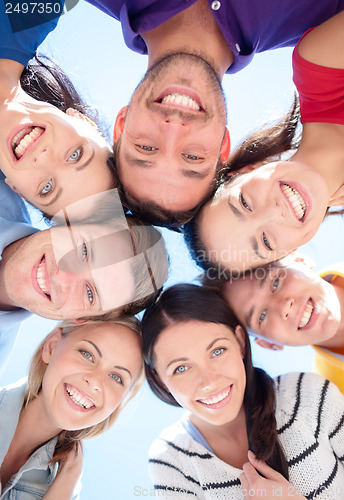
173, 134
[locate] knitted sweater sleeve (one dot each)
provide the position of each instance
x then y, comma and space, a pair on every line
171, 466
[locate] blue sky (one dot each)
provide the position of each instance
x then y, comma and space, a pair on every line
89, 46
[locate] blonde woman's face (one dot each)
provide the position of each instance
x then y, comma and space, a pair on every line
89, 373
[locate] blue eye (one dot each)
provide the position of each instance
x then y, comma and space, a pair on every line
180, 369
262, 317
191, 157
244, 203
47, 188
218, 351
89, 294
76, 155
275, 284
117, 378
87, 355
84, 251
147, 148
266, 242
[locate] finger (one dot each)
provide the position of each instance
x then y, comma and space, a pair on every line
263, 467
250, 473
244, 484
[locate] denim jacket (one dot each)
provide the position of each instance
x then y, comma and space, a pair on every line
35, 476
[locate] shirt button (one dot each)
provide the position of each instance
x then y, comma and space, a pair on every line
216, 5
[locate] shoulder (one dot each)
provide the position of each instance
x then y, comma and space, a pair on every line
175, 443
306, 397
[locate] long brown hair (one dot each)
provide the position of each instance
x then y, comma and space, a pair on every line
185, 302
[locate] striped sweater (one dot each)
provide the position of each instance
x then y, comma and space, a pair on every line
310, 423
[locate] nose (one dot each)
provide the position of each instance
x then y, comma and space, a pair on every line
42, 157
286, 307
207, 380
93, 380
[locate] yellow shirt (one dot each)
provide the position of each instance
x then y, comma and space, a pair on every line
329, 363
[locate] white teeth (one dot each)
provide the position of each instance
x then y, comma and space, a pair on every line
295, 199
216, 399
307, 314
25, 141
78, 399
41, 278
182, 100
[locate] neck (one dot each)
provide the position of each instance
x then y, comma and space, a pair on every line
322, 148
33, 416
192, 31
229, 441
6, 304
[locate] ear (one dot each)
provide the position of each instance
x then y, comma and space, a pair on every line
119, 123
81, 116
12, 186
246, 169
241, 336
225, 147
78, 321
300, 258
268, 345
159, 381
337, 199
50, 344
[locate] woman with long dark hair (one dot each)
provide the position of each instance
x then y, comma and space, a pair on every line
51, 150
270, 206
244, 432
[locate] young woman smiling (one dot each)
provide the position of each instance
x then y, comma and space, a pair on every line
51, 152
261, 214
79, 380
244, 433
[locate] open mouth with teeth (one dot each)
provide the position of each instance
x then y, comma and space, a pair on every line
24, 139
295, 200
307, 314
185, 100
79, 399
217, 398
41, 278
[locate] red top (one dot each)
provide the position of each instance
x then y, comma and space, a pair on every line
321, 91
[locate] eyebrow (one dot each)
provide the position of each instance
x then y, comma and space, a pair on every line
84, 165
101, 355
136, 162
253, 240
195, 174
95, 346
178, 360
124, 369
60, 191
254, 245
248, 318
56, 197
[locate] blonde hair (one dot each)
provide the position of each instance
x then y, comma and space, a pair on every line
67, 440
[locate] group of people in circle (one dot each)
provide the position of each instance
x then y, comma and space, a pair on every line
103, 260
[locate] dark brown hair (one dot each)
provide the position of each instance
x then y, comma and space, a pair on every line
185, 302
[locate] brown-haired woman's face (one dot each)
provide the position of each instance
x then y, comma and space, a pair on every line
52, 158
89, 373
263, 215
201, 364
